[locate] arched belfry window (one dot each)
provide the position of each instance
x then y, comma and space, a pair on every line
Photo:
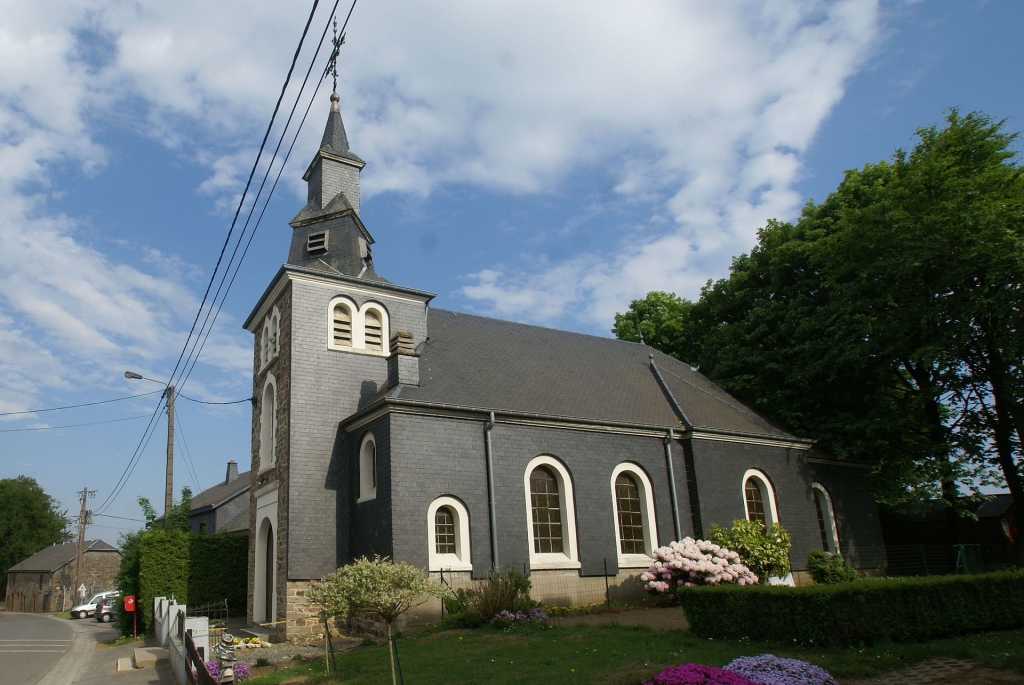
448, 535
635, 529
341, 325
270, 338
826, 518
373, 330
268, 420
362, 329
759, 498
551, 516
367, 468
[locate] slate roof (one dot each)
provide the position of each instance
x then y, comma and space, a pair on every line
475, 361
221, 493
335, 140
56, 557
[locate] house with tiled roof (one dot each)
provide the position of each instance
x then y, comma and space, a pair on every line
46, 582
461, 443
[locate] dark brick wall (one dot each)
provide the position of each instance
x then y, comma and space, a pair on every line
720, 467
857, 518
434, 456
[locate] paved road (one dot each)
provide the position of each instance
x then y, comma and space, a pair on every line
30, 645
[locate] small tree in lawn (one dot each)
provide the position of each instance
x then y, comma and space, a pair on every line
376, 586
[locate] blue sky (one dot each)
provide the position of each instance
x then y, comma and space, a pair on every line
543, 162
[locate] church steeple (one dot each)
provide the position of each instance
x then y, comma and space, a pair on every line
335, 168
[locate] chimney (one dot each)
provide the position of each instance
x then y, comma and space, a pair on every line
404, 363
232, 472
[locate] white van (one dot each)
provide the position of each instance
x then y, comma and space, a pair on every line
89, 608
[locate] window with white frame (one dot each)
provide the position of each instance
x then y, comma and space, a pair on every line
551, 516
826, 518
270, 337
367, 468
448, 535
632, 497
268, 419
759, 498
357, 329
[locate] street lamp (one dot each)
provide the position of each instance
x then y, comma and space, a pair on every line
169, 484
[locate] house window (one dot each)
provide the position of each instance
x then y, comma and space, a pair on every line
342, 325
551, 518
448, 535
268, 418
633, 501
373, 335
826, 518
367, 468
547, 513
759, 498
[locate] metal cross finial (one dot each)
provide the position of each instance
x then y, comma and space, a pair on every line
336, 42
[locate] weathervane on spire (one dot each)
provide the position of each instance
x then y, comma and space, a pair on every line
332, 65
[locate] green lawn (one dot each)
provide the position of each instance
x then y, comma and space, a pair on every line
618, 655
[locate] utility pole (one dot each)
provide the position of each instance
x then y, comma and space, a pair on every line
169, 485
83, 519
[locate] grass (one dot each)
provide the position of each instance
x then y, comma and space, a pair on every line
614, 655
63, 614
124, 640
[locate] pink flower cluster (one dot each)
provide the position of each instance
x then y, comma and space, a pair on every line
694, 562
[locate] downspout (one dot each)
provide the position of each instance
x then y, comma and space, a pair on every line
490, 491
672, 482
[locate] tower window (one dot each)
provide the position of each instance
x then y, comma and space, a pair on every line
342, 325
316, 242
374, 331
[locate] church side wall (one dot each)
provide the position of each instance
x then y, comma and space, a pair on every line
371, 521
327, 387
434, 456
857, 518
720, 467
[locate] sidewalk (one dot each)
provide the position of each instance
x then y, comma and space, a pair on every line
101, 666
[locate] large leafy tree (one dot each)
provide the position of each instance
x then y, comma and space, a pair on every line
885, 323
29, 521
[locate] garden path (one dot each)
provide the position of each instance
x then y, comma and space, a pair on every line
944, 671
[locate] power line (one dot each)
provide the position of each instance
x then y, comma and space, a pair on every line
185, 397
75, 406
71, 425
146, 435
188, 455
123, 518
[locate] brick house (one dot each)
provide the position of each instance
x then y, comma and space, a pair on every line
459, 442
46, 580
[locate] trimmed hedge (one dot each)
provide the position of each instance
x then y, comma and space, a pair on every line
219, 570
859, 612
163, 569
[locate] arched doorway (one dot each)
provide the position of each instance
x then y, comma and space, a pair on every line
264, 607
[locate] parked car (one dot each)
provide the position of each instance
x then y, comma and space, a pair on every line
89, 608
105, 610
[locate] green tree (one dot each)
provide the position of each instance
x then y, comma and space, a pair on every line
29, 521
887, 322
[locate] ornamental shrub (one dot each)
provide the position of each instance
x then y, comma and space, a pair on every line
867, 611
828, 569
769, 669
698, 674
694, 562
507, 619
764, 550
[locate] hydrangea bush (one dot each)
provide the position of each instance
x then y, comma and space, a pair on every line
698, 674
769, 669
694, 562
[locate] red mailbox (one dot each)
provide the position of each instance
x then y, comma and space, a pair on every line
129, 603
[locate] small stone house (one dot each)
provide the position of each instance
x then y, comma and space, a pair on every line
46, 580
223, 508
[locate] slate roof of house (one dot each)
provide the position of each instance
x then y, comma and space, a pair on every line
221, 493
55, 557
475, 361
239, 524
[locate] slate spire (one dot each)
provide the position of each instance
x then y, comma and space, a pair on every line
335, 168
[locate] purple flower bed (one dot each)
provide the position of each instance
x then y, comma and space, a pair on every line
508, 618
769, 669
698, 674
241, 671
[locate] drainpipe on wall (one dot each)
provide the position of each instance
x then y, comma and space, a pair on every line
672, 481
490, 492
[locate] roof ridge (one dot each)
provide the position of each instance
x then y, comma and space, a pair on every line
533, 325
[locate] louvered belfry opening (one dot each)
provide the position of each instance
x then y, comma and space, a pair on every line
547, 512
342, 325
444, 531
374, 331
631, 521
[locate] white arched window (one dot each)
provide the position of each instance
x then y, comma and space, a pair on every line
341, 313
270, 338
759, 498
375, 329
550, 514
275, 333
367, 468
268, 421
448, 535
826, 518
633, 502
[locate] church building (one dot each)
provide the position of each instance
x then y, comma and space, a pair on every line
461, 443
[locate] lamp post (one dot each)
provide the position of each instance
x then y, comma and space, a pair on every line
169, 484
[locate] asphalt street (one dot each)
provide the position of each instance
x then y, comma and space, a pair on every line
31, 645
